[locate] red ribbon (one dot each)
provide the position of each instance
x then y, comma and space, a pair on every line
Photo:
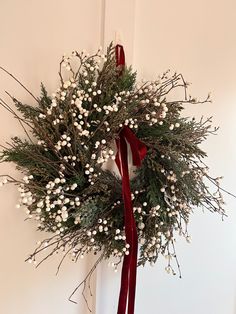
120, 58
129, 269
139, 150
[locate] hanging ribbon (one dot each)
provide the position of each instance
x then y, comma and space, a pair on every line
120, 58
139, 150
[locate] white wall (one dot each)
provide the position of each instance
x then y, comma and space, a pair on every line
198, 39
33, 37
195, 37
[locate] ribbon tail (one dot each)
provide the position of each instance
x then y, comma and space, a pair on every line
124, 288
129, 269
133, 272
128, 277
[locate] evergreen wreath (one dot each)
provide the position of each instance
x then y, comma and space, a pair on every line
71, 135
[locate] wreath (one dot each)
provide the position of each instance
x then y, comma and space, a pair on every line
72, 138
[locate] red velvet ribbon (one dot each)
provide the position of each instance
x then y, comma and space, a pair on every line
139, 150
129, 269
120, 58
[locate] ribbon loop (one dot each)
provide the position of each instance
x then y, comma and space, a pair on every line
120, 55
120, 58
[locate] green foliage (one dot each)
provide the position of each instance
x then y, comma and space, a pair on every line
127, 80
69, 191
